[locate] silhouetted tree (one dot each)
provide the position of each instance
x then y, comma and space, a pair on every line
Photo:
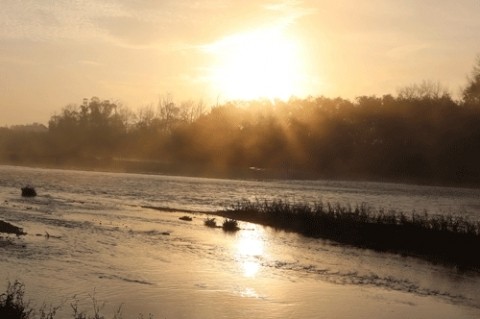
424, 90
471, 93
421, 134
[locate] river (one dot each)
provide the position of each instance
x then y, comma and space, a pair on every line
102, 243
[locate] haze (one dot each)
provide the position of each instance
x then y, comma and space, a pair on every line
56, 53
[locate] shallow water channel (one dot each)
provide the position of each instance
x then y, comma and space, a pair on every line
88, 235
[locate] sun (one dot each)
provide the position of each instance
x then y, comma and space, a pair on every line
263, 63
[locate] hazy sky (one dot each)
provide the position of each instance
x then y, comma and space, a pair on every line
53, 53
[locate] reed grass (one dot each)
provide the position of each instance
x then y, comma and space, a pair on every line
13, 305
443, 238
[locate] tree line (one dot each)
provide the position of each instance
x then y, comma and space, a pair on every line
421, 135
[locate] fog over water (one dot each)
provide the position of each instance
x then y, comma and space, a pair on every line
100, 240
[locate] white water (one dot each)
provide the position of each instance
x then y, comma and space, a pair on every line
102, 240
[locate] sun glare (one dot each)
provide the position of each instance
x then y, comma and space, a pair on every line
249, 250
263, 63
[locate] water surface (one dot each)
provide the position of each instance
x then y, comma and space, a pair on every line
101, 241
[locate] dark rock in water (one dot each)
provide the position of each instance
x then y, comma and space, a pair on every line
10, 229
28, 191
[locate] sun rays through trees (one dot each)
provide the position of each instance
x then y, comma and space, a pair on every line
420, 135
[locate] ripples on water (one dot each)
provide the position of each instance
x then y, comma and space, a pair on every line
100, 237
210, 194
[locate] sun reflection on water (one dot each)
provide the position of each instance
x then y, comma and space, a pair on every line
249, 250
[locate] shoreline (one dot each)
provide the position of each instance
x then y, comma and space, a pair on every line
250, 175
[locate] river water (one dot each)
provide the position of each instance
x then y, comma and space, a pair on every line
102, 243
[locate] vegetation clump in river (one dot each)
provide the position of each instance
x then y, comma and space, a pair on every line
210, 222
442, 238
230, 225
28, 191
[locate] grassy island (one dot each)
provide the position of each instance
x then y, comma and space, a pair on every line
447, 239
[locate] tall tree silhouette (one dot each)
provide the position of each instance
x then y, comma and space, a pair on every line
471, 93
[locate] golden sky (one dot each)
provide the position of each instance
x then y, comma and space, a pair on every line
53, 53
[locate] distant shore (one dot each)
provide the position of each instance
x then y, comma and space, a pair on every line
240, 174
